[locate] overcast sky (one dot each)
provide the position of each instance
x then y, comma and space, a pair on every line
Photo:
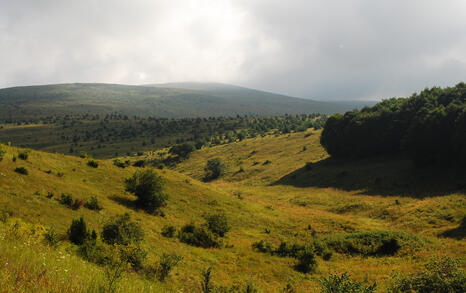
329, 49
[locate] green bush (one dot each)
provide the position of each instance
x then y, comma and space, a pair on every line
440, 275
22, 170
93, 204
133, 255
119, 163
139, 163
120, 230
182, 150
51, 237
93, 164
262, 246
218, 224
166, 264
168, 231
214, 169
23, 156
307, 261
343, 284
78, 232
198, 236
96, 252
147, 186
66, 199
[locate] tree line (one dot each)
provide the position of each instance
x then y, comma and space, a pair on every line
430, 127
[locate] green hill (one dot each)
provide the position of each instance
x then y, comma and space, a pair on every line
169, 101
267, 193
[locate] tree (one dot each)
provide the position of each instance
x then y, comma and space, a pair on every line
147, 186
78, 232
120, 230
182, 150
213, 169
218, 224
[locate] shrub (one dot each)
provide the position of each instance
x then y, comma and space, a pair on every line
218, 224
23, 156
262, 246
51, 237
93, 164
93, 204
306, 260
133, 255
440, 275
147, 186
168, 231
206, 285
22, 170
119, 163
213, 169
343, 284
120, 230
77, 204
78, 232
182, 150
198, 236
139, 163
2, 153
166, 264
66, 199
96, 252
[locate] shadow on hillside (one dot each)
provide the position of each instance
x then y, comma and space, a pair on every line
456, 233
124, 201
386, 176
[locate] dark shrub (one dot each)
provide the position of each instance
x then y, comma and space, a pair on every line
262, 246
134, 255
96, 252
23, 156
343, 284
22, 170
77, 204
51, 237
147, 186
119, 163
218, 224
182, 150
93, 164
139, 163
78, 232
306, 260
198, 236
388, 247
66, 199
120, 230
168, 231
93, 204
213, 169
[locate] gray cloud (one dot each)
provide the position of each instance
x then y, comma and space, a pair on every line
317, 49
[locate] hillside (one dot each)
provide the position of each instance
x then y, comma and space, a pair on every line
266, 194
172, 101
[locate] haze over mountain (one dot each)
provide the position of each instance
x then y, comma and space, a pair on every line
174, 100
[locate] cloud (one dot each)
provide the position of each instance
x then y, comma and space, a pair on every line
334, 49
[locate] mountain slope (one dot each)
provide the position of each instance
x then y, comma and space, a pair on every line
169, 101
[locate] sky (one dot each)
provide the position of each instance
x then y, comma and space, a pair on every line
319, 49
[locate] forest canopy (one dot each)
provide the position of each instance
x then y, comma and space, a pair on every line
430, 127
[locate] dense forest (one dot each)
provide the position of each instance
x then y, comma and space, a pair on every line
430, 127
115, 134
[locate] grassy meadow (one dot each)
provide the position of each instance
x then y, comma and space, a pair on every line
276, 188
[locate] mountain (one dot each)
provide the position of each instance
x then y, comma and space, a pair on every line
174, 100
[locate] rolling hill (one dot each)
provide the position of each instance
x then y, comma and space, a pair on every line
167, 101
267, 193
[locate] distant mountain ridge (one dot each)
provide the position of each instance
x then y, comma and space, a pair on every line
173, 100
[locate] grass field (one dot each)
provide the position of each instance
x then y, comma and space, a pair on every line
267, 193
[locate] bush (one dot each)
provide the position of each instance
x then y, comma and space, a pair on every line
343, 284
306, 260
440, 275
147, 186
93, 164
182, 150
22, 170
133, 255
213, 169
168, 231
23, 156
66, 199
96, 252
139, 163
120, 230
166, 264
77, 204
262, 246
78, 232
218, 224
198, 236
51, 237
119, 163
93, 204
